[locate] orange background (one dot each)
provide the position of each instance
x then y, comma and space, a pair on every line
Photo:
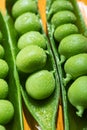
41, 6
85, 1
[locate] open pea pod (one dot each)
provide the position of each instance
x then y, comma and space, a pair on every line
13, 79
44, 111
70, 119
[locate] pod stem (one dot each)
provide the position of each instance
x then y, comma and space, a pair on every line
47, 52
67, 79
49, 14
53, 71
80, 111
62, 59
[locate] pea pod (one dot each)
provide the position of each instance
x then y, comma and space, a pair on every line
13, 81
44, 111
71, 120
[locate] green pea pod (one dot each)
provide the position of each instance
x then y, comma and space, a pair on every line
70, 120
44, 111
13, 79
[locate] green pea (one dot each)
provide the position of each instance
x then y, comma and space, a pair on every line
64, 30
2, 127
63, 17
3, 68
31, 58
32, 38
27, 22
72, 45
60, 6
3, 89
40, 85
6, 111
76, 66
77, 94
2, 51
22, 6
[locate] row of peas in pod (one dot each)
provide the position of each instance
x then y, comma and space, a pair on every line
6, 107
72, 48
32, 56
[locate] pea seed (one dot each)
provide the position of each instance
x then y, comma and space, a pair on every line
23, 6
3, 68
2, 127
64, 30
31, 58
32, 38
27, 22
72, 45
6, 111
60, 6
40, 85
76, 65
3, 89
63, 17
77, 94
